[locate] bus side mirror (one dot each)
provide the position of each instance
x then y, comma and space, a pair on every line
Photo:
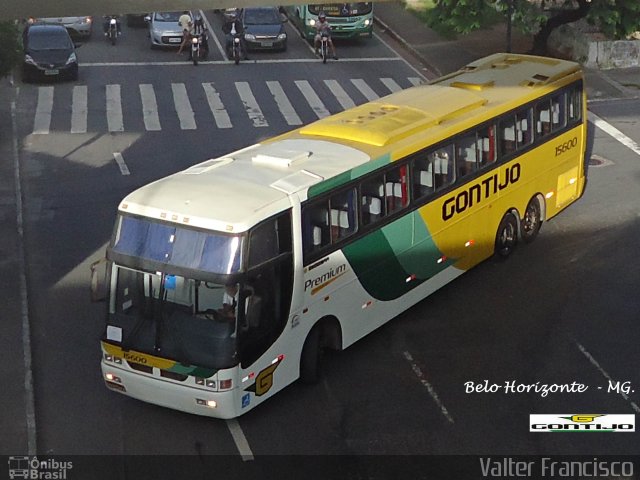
99, 280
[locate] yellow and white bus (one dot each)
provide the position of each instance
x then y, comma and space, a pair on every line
225, 281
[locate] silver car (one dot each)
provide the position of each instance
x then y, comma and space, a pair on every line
76, 26
164, 29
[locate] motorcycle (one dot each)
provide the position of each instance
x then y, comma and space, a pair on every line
112, 30
197, 50
324, 46
236, 47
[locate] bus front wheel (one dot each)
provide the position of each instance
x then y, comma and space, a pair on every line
531, 221
310, 358
507, 236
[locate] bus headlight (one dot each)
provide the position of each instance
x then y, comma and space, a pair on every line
312, 22
110, 377
205, 382
367, 22
207, 403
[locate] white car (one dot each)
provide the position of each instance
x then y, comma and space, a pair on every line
76, 26
164, 29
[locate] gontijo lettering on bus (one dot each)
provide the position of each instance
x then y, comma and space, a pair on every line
318, 283
479, 191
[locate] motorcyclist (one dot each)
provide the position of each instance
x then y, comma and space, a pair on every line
107, 19
322, 26
199, 28
234, 24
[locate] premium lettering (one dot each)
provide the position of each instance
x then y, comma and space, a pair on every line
320, 281
480, 191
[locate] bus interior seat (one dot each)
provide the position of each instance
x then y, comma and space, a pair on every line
509, 139
426, 181
393, 194
317, 236
372, 208
339, 223
254, 310
523, 132
544, 122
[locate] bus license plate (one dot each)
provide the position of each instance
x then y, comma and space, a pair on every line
53, 71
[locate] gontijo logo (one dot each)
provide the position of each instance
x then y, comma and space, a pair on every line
582, 422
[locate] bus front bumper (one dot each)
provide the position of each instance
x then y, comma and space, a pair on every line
169, 394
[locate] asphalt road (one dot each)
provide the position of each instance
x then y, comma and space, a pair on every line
563, 309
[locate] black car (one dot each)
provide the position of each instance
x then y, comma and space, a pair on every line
49, 52
263, 28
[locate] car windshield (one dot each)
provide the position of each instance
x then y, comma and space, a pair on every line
167, 16
185, 319
49, 41
261, 16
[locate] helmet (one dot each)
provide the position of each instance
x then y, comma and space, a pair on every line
322, 16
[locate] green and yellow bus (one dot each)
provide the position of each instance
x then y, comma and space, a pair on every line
347, 20
225, 281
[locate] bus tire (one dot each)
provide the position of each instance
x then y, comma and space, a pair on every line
310, 358
531, 221
506, 236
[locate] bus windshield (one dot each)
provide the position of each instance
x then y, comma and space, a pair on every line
341, 9
185, 319
174, 248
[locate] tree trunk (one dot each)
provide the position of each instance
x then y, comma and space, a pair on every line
541, 38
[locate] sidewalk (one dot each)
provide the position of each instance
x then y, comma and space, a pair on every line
441, 56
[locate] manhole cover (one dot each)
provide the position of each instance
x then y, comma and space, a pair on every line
598, 161
595, 162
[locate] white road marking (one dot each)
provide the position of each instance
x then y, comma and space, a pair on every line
251, 105
42, 120
312, 99
149, 107
29, 401
220, 114
614, 132
124, 170
365, 89
594, 362
240, 440
114, 108
211, 35
430, 389
341, 95
287, 110
79, 109
415, 81
226, 62
391, 84
183, 107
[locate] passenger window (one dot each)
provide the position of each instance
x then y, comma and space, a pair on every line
396, 193
507, 131
441, 163
466, 155
422, 174
524, 128
542, 113
558, 112
487, 146
575, 104
372, 198
316, 231
342, 217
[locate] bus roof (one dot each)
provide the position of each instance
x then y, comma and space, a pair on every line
234, 192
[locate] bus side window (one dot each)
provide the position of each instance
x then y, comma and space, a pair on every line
575, 105
442, 165
315, 227
558, 112
543, 118
343, 215
487, 146
524, 128
422, 174
396, 193
507, 136
372, 193
466, 155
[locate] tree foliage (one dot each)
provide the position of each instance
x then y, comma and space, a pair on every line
614, 18
9, 47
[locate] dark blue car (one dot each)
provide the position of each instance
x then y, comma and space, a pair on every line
49, 52
263, 28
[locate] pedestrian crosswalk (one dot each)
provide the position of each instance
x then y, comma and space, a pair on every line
121, 108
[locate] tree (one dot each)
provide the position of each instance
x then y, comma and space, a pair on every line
615, 18
9, 47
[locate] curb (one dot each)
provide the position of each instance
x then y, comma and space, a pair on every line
410, 48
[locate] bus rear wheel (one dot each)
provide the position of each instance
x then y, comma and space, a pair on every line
531, 221
311, 356
507, 236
